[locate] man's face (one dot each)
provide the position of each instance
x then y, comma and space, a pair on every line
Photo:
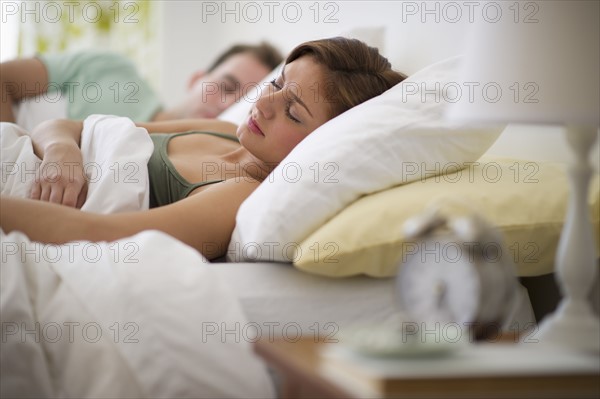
215, 91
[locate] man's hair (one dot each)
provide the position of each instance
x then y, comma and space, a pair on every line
264, 52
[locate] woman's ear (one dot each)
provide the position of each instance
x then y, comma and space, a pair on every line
195, 77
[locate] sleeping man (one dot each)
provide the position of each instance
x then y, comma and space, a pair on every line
94, 82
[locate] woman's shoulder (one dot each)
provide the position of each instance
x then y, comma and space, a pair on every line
218, 126
234, 188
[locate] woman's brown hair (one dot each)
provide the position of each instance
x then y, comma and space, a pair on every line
355, 72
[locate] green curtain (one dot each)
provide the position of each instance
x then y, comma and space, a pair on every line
125, 26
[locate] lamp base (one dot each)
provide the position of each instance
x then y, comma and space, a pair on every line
573, 326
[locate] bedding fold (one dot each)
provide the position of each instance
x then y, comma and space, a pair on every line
144, 316
115, 157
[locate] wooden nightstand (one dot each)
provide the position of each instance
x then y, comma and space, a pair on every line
307, 372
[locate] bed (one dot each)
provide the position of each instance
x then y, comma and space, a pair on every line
149, 317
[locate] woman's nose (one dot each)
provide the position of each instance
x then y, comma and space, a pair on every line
267, 102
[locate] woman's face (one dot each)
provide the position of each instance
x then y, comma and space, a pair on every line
287, 112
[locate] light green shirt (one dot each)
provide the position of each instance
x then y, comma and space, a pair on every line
99, 83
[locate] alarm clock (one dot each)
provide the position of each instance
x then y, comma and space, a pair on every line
456, 270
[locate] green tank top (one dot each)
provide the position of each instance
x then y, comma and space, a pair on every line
166, 184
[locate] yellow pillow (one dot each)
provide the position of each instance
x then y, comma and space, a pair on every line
526, 200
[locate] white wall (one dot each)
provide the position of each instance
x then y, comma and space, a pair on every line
196, 31
417, 33
539, 143
9, 29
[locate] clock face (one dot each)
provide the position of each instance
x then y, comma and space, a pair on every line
439, 289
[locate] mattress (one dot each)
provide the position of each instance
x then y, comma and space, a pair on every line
281, 301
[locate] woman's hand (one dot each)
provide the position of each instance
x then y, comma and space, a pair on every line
61, 178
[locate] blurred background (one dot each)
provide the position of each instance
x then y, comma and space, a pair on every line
169, 40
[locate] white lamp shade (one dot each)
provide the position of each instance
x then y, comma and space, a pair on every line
544, 71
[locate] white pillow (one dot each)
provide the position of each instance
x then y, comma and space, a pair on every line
397, 137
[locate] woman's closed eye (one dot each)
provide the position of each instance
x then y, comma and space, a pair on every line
275, 84
288, 104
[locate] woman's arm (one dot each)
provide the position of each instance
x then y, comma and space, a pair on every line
64, 132
60, 178
57, 143
56, 133
204, 221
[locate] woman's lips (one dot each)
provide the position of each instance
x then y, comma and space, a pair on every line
254, 127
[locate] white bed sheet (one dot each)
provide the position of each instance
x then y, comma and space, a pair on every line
157, 313
282, 300
115, 154
285, 299
276, 299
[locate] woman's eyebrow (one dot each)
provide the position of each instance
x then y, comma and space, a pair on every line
295, 97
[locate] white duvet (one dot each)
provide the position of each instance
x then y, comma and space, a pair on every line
140, 317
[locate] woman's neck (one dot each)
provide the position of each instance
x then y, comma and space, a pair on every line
249, 164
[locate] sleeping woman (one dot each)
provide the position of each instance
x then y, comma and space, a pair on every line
320, 80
